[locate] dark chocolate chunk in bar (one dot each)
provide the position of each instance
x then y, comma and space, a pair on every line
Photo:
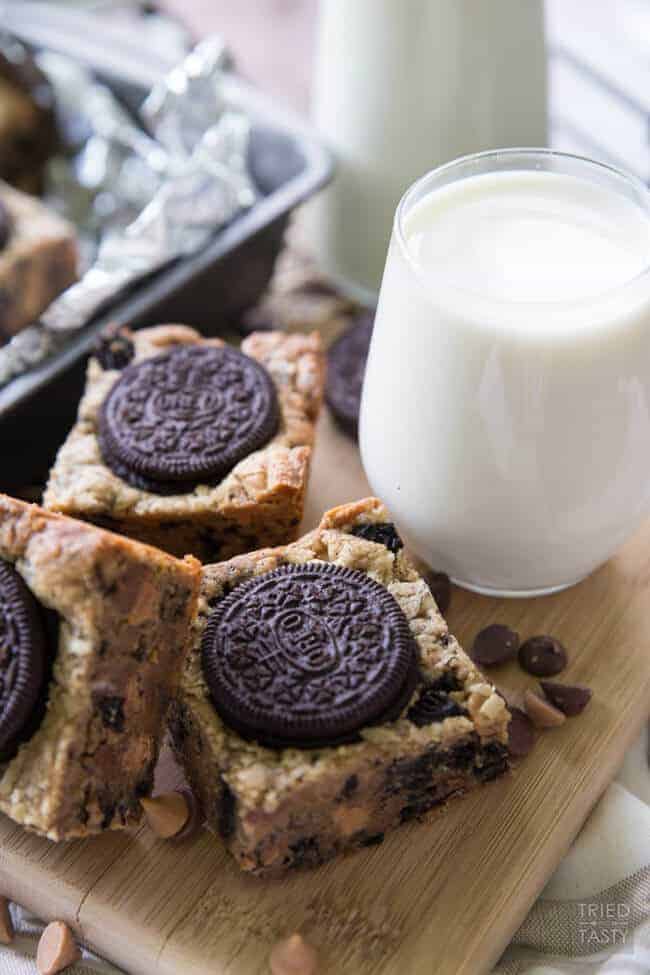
114, 349
23, 657
433, 705
307, 655
186, 417
384, 533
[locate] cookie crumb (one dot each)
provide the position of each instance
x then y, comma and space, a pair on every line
6, 924
293, 956
57, 949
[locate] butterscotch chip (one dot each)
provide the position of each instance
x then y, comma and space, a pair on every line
293, 956
57, 949
542, 713
168, 814
6, 924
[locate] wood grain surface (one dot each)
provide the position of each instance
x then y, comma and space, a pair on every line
442, 896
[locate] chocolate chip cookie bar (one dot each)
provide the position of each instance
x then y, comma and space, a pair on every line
28, 127
324, 700
191, 445
93, 633
38, 259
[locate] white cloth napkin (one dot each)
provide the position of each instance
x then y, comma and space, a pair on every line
592, 917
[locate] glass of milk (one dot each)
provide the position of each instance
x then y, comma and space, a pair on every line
506, 408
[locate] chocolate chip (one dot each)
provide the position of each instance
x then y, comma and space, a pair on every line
383, 533
494, 645
521, 733
542, 656
440, 586
350, 786
113, 348
111, 709
571, 699
433, 706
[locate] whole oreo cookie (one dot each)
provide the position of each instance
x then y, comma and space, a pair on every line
6, 225
23, 658
186, 417
307, 655
346, 366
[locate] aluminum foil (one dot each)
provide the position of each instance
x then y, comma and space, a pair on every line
140, 196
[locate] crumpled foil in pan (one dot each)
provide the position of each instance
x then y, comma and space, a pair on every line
140, 199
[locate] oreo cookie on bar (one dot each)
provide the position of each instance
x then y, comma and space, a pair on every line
307, 655
186, 417
23, 653
346, 366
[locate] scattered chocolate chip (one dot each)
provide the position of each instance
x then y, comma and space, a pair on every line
114, 348
541, 712
496, 644
543, 656
440, 586
571, 699
57, 949
6, 225
433, 706
521, 733
383, 533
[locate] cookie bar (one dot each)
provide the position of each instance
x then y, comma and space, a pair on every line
301, 725
38, 259
94, 631
213, 457
28, 128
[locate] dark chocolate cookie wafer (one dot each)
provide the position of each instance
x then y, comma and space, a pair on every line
307, 655
346, 366
186, 417
22, 656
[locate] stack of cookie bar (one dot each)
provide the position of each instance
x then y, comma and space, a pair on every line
314, 694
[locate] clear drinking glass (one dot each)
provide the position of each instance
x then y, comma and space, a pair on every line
510, 437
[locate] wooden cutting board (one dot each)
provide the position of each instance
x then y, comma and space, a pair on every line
443, 896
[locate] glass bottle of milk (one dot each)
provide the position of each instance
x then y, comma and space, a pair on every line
402, 86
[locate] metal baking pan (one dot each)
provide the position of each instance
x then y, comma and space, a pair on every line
209, 290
